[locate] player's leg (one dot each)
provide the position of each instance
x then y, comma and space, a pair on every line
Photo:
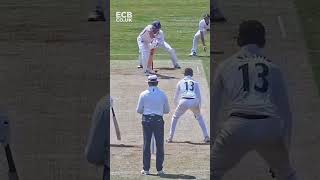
180, 110
147, 134
195, 108
273, 150
277, 156
140, 56
195, 43
228, 148
172, 53
145, 53
159, 137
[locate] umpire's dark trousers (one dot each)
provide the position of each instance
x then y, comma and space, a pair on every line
153, 124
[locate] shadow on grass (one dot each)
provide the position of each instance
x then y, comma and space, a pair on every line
165, 68
189, 142
124, 146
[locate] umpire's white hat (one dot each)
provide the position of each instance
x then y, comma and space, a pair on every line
152, 78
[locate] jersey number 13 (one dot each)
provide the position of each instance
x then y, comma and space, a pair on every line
263, 87
189, 85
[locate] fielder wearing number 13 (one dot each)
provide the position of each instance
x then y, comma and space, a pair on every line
188, 96
259, 117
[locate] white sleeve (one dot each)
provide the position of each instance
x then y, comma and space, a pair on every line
202, 26
177, 94
160, 37
198, 93
166, 108
140, 104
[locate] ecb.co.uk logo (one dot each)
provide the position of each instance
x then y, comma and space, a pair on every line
123, 16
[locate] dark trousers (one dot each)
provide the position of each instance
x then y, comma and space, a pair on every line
106, 172
153, 125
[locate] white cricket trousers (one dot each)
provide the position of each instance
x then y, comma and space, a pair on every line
144, 53
184, 105
238, 136
196, 38
171, 51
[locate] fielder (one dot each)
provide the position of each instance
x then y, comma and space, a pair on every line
147, 41
204, 26
188, 96
161, 43
259, 116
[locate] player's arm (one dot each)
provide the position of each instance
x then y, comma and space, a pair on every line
217, 100
160, 37
202, 38
202, 29
96, 148
282, 103
140, 104
197, 92
177, 94
166, 108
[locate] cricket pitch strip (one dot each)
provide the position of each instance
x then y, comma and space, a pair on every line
188, 157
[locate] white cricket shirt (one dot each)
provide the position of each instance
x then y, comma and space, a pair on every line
187, 88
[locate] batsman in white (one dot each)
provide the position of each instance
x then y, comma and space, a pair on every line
161, 43
259, 117
188, 96
146, 41
204, 27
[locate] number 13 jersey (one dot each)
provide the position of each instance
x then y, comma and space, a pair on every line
249, 81
187, 88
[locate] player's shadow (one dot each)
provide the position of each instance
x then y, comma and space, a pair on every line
189, 142
124, 146
160, 76
166, 68
177, 176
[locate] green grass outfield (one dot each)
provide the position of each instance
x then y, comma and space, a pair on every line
309, 12
179, 19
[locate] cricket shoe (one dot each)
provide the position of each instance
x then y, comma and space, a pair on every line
177, 66
193, 54
207, 139
143, 172
96, 15
139, 66
160, 173
169, 140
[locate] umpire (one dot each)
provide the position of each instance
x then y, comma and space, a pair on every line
152, 104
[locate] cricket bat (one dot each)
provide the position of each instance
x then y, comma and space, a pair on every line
11, 164
116, 125
150, 60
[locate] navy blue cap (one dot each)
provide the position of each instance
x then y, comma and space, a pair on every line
156, 24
